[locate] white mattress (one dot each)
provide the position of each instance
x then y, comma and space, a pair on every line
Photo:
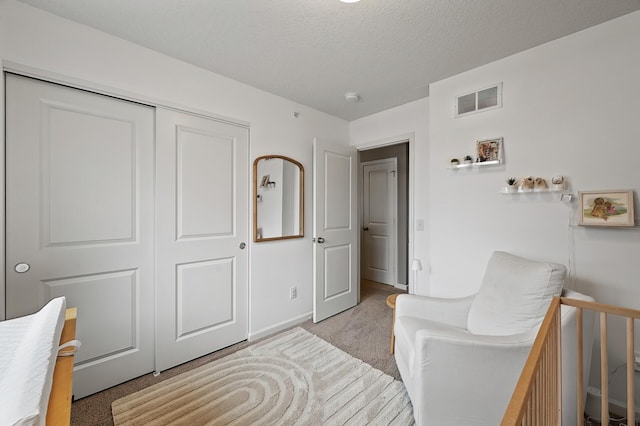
28, 351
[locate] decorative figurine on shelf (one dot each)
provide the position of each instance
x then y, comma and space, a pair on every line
540, 184
558, 183
511, 184
454, 162
467, 159
527, 184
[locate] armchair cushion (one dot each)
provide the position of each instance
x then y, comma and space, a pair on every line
514, 296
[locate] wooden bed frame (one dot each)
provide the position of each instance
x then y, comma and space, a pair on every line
59, 410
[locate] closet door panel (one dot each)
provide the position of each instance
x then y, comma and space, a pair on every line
202, 263
80, 214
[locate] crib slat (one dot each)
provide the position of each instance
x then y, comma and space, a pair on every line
604, 370
631, 409
580, 367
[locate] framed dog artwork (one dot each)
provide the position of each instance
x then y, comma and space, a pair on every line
606, 208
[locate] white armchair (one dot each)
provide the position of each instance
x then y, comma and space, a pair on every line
460, 359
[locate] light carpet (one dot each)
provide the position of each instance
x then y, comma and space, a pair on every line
294, 378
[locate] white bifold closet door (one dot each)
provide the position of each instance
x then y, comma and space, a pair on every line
79, 221
202, 262
138, 215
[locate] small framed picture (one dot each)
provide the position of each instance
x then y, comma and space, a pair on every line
606, 208
265, 181
489, 150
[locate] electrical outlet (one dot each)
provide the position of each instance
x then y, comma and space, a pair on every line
420, 225
293, 292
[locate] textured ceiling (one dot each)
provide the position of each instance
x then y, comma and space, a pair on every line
313, 51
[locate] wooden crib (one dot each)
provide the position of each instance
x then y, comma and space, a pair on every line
59, 409
36, 372
537, 397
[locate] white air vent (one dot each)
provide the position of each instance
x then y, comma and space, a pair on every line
481, 100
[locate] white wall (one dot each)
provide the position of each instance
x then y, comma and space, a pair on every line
395, 124
36, 39
570, 108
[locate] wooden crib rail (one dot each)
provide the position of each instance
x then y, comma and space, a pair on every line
537, 399
59, 409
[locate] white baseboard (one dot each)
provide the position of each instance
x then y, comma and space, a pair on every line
404, 287
279, 327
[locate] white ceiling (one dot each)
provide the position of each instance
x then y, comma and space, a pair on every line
313, 51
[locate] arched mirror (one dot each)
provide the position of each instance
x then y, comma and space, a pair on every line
278, 198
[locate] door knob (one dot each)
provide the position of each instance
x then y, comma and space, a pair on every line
320, 240
21, 268
365, 228
242, 246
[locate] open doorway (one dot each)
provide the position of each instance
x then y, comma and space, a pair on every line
384, 214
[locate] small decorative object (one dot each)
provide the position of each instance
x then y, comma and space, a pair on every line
567, 198
511, 184
606, 208
467, 159
490, 150
558, 183
266, 182
455, 162
527, 184
540, 184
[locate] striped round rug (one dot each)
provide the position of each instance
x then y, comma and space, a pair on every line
293, 378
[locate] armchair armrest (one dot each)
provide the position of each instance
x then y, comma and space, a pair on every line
464, 340
448, 311
446, 358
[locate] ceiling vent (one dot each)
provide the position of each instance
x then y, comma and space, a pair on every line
480, 100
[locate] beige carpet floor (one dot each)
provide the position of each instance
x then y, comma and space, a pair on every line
292, 378
362, 331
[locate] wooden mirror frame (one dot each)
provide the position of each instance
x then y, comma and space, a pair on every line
300, 233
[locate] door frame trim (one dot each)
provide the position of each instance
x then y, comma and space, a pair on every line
101, 89
394, 140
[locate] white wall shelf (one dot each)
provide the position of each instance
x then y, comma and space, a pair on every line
504, 190
477, 164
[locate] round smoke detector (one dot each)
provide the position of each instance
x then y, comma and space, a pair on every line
351, 97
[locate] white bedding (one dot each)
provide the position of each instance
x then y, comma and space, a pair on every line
28, 350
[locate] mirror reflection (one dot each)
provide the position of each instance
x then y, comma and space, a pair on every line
278, 186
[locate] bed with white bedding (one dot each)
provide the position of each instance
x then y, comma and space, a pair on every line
29, 348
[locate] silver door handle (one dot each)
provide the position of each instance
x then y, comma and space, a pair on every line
320, 240
365, 228
242, 246
21, 268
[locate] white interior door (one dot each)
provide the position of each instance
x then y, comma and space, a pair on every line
335, 230
80, 218
202, 197
379, 221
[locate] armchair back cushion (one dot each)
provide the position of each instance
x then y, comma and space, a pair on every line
514, 296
